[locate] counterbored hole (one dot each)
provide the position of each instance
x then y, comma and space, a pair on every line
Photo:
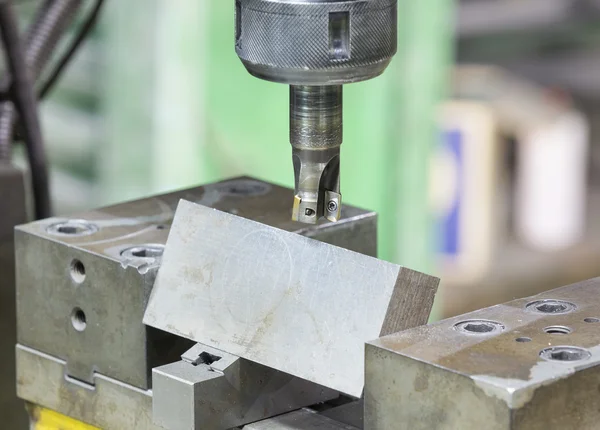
479, 327
558, 329
523, 339
592, 320
77, 271
550, 306
147, 253
565, 353
144, 251
78, 319
243, 188
72, 228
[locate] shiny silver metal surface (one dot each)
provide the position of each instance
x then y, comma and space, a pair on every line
315, 42
83, 283
12, 212
108, 404
211, 389
316, 128
279, 299
540, 371
304, 419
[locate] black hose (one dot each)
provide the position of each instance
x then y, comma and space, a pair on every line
51, 21
7, 109
5, 124
47, 30
86, 27
25, 103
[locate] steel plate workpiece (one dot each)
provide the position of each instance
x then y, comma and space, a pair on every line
280, 299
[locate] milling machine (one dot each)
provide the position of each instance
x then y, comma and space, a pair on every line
209, 308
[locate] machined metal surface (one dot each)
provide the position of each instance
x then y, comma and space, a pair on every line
12, 212
83, 282
108, 404
304, 419
279, 299
539, 370
211, 389
314, 42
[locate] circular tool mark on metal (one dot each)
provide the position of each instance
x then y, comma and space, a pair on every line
558, 329
592, 320
479, 327
72, 228
244, 188
550, 306
523, 339
77, 271
147, 252
259, 260
78, 319
565, 354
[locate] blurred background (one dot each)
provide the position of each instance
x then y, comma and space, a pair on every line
479, 147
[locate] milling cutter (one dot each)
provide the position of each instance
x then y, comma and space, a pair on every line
316, 46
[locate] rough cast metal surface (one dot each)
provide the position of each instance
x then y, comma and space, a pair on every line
113, 291
313, 42
479, 376
12, 212
282, 300
109, 404
211, 389
304, 419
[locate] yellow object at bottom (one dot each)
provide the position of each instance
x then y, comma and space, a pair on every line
45, 419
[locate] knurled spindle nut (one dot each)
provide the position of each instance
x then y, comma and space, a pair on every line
315, 42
